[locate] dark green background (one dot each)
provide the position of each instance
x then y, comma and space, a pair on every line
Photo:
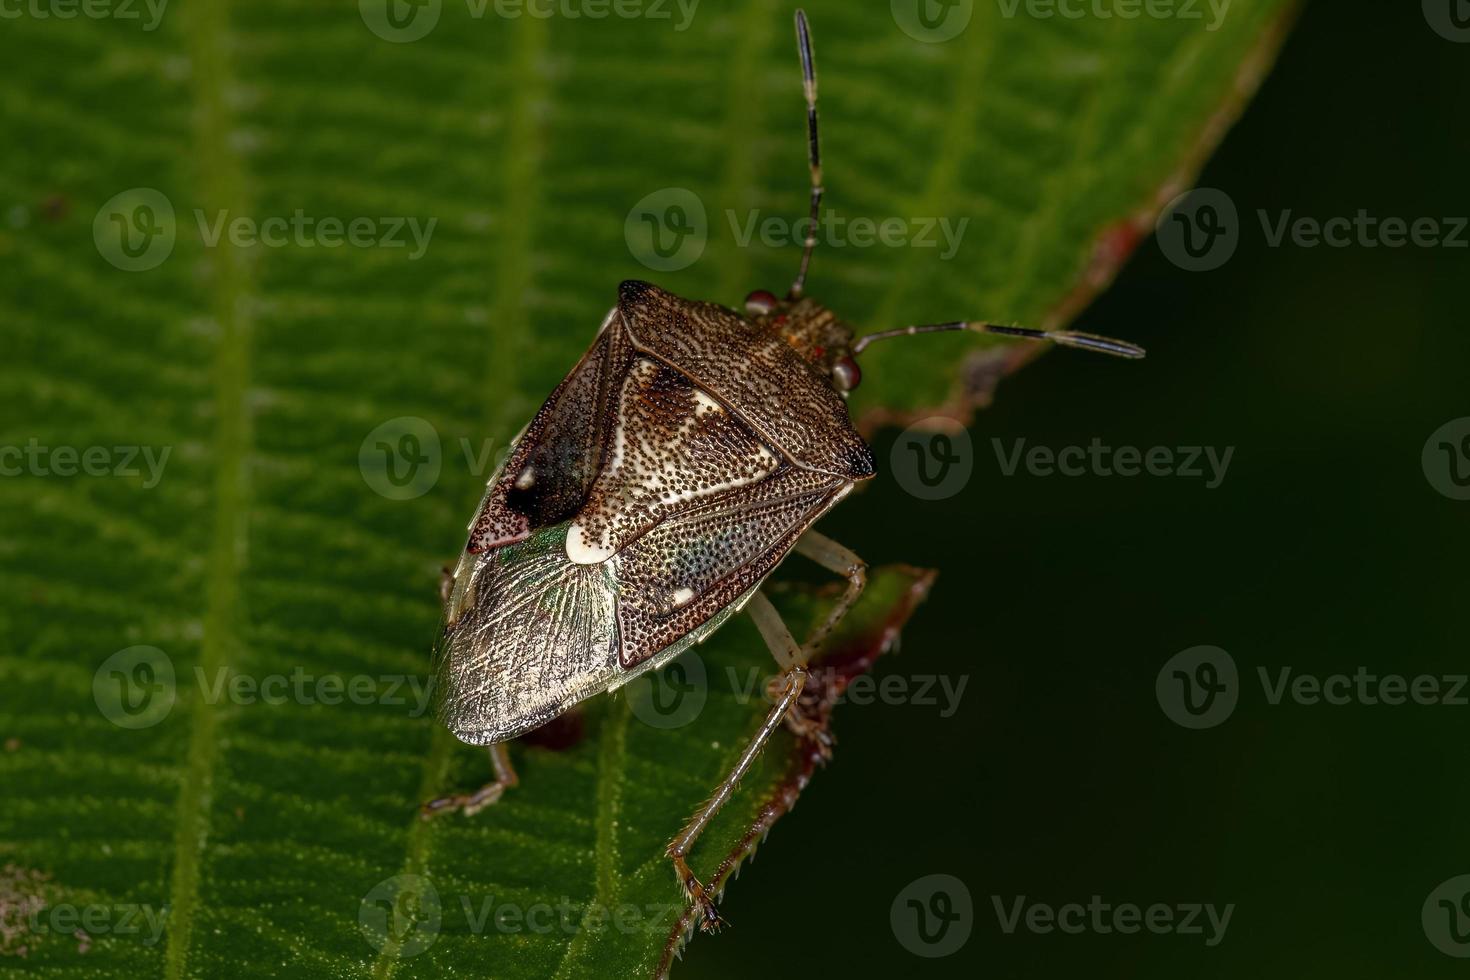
1325, 549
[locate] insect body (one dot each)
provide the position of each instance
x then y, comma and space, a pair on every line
683, 458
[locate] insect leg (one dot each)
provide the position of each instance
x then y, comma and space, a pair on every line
792, 657
472, 803
835, 558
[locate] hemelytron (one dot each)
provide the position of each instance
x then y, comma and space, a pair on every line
686, 454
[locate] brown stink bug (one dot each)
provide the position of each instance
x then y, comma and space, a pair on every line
684, 457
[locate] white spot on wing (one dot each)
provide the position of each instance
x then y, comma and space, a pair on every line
582, 551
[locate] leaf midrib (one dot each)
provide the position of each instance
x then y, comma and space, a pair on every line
221, 180
523, 154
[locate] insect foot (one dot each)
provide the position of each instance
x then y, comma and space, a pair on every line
694, 891
490, 793
469, 803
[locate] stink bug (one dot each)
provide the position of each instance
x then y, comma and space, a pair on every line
683, 458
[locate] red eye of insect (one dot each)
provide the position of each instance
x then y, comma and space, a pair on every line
760, 302
846, 374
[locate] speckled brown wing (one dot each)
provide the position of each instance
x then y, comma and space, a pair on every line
673, 447
779, 395
687, 568
548, 474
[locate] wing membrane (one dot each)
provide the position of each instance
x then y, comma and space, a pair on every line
531, 633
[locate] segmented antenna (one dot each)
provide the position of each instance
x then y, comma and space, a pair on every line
814, 148
1063, 338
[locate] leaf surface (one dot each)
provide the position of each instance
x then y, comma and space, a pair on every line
268, 558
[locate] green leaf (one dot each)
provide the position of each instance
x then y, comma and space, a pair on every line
263, 815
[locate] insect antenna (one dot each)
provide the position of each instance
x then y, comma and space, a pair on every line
813, 148
1063, 338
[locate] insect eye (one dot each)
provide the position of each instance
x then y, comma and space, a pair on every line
846, 374
760, 302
